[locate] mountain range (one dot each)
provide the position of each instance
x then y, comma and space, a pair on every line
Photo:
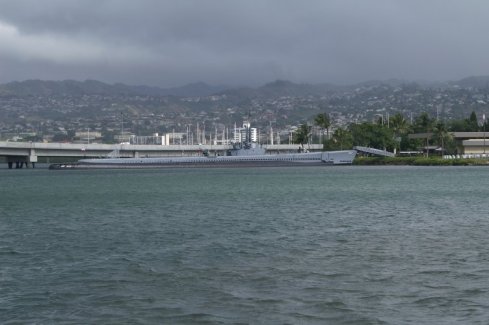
277, 88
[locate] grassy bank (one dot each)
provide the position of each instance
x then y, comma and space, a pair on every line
418, 161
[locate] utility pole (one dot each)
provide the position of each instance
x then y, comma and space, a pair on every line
271, 133
198, 134
203, 135
122, 127
484, 130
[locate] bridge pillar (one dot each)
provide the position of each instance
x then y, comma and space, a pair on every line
19, 162
32, 158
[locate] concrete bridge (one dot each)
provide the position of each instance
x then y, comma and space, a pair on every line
20, 154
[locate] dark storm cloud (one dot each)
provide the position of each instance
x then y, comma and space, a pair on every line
169, 43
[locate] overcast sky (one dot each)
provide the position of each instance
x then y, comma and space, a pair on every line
242, 42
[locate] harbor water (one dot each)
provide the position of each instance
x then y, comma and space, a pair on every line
315, 245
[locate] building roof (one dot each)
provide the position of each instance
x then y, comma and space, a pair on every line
455, 135
475, 142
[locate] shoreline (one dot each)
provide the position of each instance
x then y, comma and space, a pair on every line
417, 161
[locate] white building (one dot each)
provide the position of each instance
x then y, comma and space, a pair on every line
240, 133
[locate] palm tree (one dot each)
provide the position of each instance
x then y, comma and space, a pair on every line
424, 123
400, 127
322, 120
441, 135
341, 139
302, 134
399, 124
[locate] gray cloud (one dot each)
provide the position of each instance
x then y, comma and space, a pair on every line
170, 43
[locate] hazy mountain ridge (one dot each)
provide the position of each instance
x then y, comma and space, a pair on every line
94, 87
481, 82
278, 88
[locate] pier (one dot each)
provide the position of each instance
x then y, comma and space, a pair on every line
373, 151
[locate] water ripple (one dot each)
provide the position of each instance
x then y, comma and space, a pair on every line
354, 245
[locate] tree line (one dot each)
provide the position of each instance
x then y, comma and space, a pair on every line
392, 134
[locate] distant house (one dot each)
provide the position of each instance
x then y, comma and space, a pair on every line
476, 146
240, 134
87, 137
467, 142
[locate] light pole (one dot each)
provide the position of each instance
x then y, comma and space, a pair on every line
122, 127
484, 130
